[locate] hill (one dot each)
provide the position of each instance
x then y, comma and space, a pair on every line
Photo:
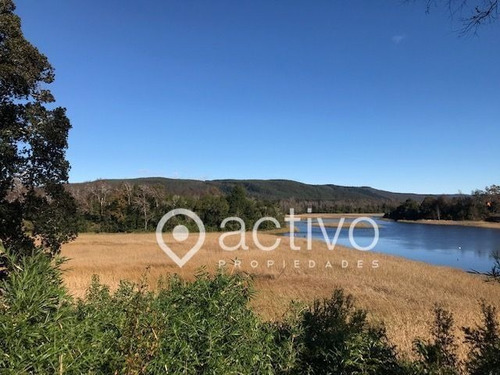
273, 190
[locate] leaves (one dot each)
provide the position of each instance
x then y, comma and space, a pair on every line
33, 143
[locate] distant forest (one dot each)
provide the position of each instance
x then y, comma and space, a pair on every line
480, 205
139, 204
126, 207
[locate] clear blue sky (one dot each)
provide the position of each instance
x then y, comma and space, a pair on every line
368, 92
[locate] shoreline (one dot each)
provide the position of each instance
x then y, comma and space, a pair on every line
464, 223
335, 225
337, 215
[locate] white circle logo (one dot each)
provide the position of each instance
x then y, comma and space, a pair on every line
180, 234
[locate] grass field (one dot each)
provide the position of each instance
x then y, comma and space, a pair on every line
399, 292
338, 216
463, 223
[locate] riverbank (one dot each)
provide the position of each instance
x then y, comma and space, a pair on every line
462, 223
333, 220
399, 292
338, 216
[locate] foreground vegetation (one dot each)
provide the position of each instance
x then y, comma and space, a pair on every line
400, 292
207, 326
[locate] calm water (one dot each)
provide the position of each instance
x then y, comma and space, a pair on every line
467, 248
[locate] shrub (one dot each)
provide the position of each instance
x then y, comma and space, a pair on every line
35, 316
438, 357
336, 339
484, 356
288, 339
204, 326
494, 274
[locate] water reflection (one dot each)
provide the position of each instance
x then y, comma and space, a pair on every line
467, 248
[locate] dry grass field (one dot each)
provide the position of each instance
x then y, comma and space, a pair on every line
335, 224
338, 216
464, 223
399, 291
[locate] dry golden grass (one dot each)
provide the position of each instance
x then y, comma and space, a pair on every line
338, 216
335, 224
464, 223
399, 292
334, 220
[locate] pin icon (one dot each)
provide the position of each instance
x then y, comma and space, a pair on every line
180, 233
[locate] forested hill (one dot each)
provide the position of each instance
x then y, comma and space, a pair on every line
139, 204
273, 190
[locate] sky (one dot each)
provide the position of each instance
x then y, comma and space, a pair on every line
357, 93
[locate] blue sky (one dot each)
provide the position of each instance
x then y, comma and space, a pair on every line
375, 93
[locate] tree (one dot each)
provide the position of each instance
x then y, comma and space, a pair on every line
237, 200
212, 210
429, 208
492, 194
409, 210
142, 202
35, 207
241, 206
128, 190
472, 14
100, 192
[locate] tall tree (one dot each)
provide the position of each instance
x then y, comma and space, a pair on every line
35, 208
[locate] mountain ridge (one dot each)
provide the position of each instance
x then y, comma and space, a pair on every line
269, 189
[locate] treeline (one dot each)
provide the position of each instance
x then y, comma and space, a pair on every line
207, 327
103, 207
480, 205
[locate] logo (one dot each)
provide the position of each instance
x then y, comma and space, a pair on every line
180, 234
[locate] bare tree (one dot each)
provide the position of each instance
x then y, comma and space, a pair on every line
128, 189
81, 195
100, 190
471, 13
157, 192
141, 201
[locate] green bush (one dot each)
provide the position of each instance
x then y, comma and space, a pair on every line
206, 327
35, 316
484, 356
438, 357
336, 339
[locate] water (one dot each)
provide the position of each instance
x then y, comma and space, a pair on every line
462, 247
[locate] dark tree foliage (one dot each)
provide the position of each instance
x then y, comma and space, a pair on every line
34, 206
480, 205
126, 207
484, 356
337, 339
340, 205
409, 210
